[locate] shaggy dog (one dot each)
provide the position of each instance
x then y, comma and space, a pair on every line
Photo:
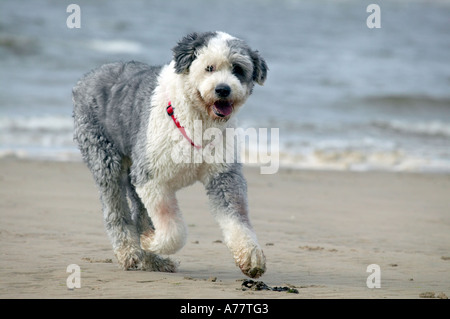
127, 117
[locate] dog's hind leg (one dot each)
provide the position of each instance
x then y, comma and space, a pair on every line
117, 217
139, 214
138, 221
110, 173
144, 225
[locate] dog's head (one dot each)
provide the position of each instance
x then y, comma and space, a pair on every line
220, 71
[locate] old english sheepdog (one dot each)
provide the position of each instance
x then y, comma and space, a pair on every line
126, 116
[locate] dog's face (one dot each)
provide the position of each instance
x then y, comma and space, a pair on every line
220, 71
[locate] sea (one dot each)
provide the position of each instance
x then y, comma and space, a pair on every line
349, 87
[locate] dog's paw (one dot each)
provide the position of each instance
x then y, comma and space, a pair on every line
129, 259
253, 263
162, 243
137, 259
154, 262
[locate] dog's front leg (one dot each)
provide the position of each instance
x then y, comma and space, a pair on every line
227, 193
170, 231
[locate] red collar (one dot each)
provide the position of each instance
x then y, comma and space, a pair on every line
170, 111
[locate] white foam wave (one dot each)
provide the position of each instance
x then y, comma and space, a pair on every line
44, 123
365, 154
431, 128
353, 160
19, 135
50, 137
115, 46
60, 154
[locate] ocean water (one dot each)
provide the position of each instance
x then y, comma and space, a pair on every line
343, 96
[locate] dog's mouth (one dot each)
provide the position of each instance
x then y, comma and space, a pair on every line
222, 108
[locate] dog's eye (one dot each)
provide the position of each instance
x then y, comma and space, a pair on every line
238, 71
209, 68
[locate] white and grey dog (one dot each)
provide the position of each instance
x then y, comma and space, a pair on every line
125, 117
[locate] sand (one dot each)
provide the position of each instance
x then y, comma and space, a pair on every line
319, 231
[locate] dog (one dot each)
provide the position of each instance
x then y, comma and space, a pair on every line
125, 117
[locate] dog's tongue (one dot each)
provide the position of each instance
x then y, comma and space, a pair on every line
223, 108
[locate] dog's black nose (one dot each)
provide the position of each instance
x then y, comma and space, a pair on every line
223, 90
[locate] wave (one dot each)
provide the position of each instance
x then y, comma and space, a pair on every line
116, 46
36, 123
358, 160
430, 128
364, 154
333, 160
47, 137
50, 138
399, 100
36, 135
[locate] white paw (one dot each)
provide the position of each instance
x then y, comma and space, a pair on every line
159, 243
251, 261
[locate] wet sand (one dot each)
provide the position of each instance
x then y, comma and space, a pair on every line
319, 231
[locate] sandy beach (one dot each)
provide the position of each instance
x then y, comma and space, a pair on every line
319, 230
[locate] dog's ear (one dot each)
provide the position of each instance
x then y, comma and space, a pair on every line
259, 67
184, 53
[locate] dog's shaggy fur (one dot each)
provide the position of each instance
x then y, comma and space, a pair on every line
126, 138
